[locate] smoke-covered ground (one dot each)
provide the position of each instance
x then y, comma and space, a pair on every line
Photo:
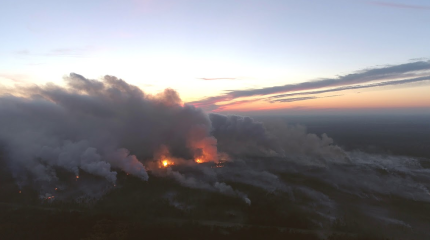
103, 157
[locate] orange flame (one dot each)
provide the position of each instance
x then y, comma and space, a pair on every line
163, 157
77, 176
165, 163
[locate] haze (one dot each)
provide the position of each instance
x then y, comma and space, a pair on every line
239, 119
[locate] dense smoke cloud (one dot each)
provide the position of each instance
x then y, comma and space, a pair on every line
243, 136
96, 129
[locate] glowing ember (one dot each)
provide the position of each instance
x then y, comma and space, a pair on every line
77, 177
49, 198
220, 164
56, 189
19, 191
166, 163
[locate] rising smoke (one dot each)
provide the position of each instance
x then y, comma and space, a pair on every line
97, 127
100, 128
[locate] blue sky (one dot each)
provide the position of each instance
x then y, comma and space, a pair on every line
174, 43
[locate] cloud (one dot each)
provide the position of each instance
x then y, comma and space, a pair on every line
300, 99
70, 52
217, 108
17, 78
211, 79
294, 99
61, 52
399, 5
22, 52
392, 72
381, 84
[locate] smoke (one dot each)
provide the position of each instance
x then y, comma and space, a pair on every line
243, 136
97, 127
220, 187
94, 130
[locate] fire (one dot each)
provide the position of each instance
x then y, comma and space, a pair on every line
220, 164
56, 189
166, 163
19, 191
77, 177
198, 160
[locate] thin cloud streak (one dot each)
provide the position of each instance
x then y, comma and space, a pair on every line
364, 76
273, 99
300, 99
220, 108
399, 5
17, 78
60, 52
211, 79
381, 84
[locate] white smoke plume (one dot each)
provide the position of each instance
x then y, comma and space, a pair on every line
99, 128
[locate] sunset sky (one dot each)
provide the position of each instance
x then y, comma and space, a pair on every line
230, 55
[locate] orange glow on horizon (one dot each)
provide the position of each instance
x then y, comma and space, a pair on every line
371, 99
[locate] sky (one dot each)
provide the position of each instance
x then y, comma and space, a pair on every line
231, 56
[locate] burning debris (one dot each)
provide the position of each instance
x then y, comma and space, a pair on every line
47, 197
166, 163
219, 164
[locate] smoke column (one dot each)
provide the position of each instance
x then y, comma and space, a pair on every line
98, 127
